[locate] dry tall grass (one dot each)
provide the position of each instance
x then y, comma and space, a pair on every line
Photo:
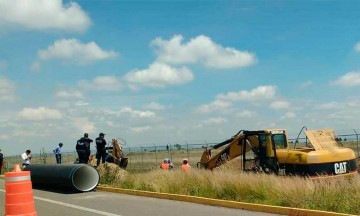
338, 194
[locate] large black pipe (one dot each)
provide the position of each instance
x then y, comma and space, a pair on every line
80, 177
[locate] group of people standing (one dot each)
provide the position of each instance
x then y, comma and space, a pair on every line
83, 148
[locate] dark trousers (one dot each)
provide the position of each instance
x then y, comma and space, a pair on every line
82, 156
1, 165
25, 165
88, 152
100, 155
58, 158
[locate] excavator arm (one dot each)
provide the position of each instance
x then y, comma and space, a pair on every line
117, 155
233, 149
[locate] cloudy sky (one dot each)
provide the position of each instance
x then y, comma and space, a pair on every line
159, 72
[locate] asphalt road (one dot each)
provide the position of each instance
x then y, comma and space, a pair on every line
52, 203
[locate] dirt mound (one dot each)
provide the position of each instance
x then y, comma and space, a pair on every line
111, 172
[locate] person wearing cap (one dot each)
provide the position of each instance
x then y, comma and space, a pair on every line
57, 152
165, 164
87, 142
100, 149
81, 150
185, 164
171, 165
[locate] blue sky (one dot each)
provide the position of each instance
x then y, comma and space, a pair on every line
159, 72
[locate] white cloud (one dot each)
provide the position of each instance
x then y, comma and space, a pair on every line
213, 106
256, 94
330, 105
225, 101
7, 90
349, 80
245, 114
43, 15
280, 105
81, 103
101, 83
159, 75
306, 84
154, 106
71, 93
140, 129
111, 124
39, 114
212, 121
136, 113
35, 66
357, 47
84, 125
201, 49
4, 137
288, 115
75, 51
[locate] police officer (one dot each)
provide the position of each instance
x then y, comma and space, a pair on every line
87, 142
81, 150
100, 149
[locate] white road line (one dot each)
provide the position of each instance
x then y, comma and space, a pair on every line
73, 206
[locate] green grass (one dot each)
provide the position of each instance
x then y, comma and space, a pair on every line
337, 195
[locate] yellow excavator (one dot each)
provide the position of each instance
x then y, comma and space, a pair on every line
116, 155
269, 151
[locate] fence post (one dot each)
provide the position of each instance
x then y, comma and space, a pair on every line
187, 150
170, 152
142, 157
206, 144
155, 156
129, 157
357, 142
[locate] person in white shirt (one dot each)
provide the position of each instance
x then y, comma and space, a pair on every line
57, 152
26, 157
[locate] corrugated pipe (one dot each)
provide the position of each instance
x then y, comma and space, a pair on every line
80, 177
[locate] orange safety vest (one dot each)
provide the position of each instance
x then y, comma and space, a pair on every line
185, 167
165, 166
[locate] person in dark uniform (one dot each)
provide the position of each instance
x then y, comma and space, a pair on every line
81, 150
87, 142
263, 156
1, 161
100, 149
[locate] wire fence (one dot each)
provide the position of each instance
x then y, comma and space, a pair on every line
150, 157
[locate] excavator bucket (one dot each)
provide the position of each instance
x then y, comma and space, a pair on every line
123, 163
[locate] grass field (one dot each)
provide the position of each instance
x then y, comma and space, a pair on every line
228, 183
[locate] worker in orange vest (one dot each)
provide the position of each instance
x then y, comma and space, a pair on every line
165, 165
185, 164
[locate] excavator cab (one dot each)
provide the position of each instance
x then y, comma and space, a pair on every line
264, 145
258, 150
